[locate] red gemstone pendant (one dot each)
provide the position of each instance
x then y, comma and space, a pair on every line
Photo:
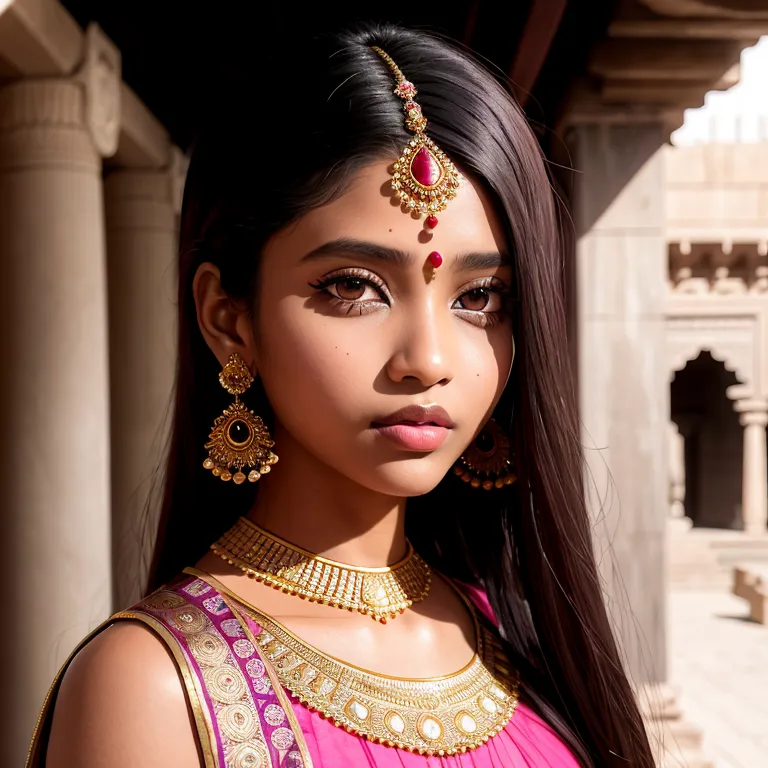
435, 259
426, 169
431, 221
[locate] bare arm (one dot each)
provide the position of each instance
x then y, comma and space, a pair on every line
122, 704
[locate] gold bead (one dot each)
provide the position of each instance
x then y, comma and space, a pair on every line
208, 464
499, 482
487, 485
216, 471
239, 478
253, 476
475, 482
226, 475
235, 376
457, 470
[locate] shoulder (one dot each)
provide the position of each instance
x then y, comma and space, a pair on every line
122, 703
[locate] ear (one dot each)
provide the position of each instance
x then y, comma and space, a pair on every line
226, 325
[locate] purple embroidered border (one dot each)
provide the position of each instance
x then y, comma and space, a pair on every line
279, 738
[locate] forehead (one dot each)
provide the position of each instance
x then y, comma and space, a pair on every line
368, 211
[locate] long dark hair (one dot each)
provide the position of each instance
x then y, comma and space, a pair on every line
287, 139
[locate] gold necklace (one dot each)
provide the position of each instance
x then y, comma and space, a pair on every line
432, 716
382, 593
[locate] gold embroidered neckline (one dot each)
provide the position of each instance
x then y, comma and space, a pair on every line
432, 716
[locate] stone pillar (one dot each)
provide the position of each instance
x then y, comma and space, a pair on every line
623, 372
141, 247
54, 387
677, 479
622, 272
676, 472
754, 495
54, 392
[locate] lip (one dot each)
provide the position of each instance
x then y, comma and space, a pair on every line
416, 427
417, 415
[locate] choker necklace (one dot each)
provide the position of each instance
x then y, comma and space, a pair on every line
381, 593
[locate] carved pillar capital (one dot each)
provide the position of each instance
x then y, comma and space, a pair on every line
101, 75
68, 122
144, 198
41, 125
752, 411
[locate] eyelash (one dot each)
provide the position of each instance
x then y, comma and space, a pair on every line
477, 317
350, 306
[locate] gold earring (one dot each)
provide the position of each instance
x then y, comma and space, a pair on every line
238, 438
487, 461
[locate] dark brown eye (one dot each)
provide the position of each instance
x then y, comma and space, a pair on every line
350, 288
475, 300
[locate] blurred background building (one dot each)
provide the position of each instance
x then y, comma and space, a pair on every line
717, 217
666, 283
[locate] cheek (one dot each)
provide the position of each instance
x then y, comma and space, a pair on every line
485, 366
309, 361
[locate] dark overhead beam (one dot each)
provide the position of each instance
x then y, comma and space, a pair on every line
638, 59
733, 9
700, 29
471, 22
634, 19
540, 29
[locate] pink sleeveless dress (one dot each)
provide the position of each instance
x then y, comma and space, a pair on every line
246, 719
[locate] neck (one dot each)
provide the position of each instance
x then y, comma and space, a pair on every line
309, 504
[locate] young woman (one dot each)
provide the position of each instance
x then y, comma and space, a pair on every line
370, 290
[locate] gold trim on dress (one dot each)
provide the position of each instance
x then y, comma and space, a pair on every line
432, 716
285, 702
282, 697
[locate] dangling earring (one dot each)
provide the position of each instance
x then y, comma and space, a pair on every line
487, 461
238, 438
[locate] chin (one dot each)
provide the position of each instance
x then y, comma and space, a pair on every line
406, 478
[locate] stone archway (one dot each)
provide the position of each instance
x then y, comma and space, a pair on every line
706, 419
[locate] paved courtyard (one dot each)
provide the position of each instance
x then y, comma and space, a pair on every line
720, 659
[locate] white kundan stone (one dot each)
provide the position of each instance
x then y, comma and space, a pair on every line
360, 711
430, 728
498, 692
467, 723
395, 723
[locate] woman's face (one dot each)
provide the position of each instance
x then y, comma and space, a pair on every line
351, 331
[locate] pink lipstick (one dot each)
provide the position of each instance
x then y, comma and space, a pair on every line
416, 427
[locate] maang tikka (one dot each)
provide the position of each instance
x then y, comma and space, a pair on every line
238, 438
423, 177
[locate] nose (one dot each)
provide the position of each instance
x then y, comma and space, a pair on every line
423, 352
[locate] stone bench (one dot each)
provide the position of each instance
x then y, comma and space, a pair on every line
750, 581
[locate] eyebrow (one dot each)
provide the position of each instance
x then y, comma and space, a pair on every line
346, 246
